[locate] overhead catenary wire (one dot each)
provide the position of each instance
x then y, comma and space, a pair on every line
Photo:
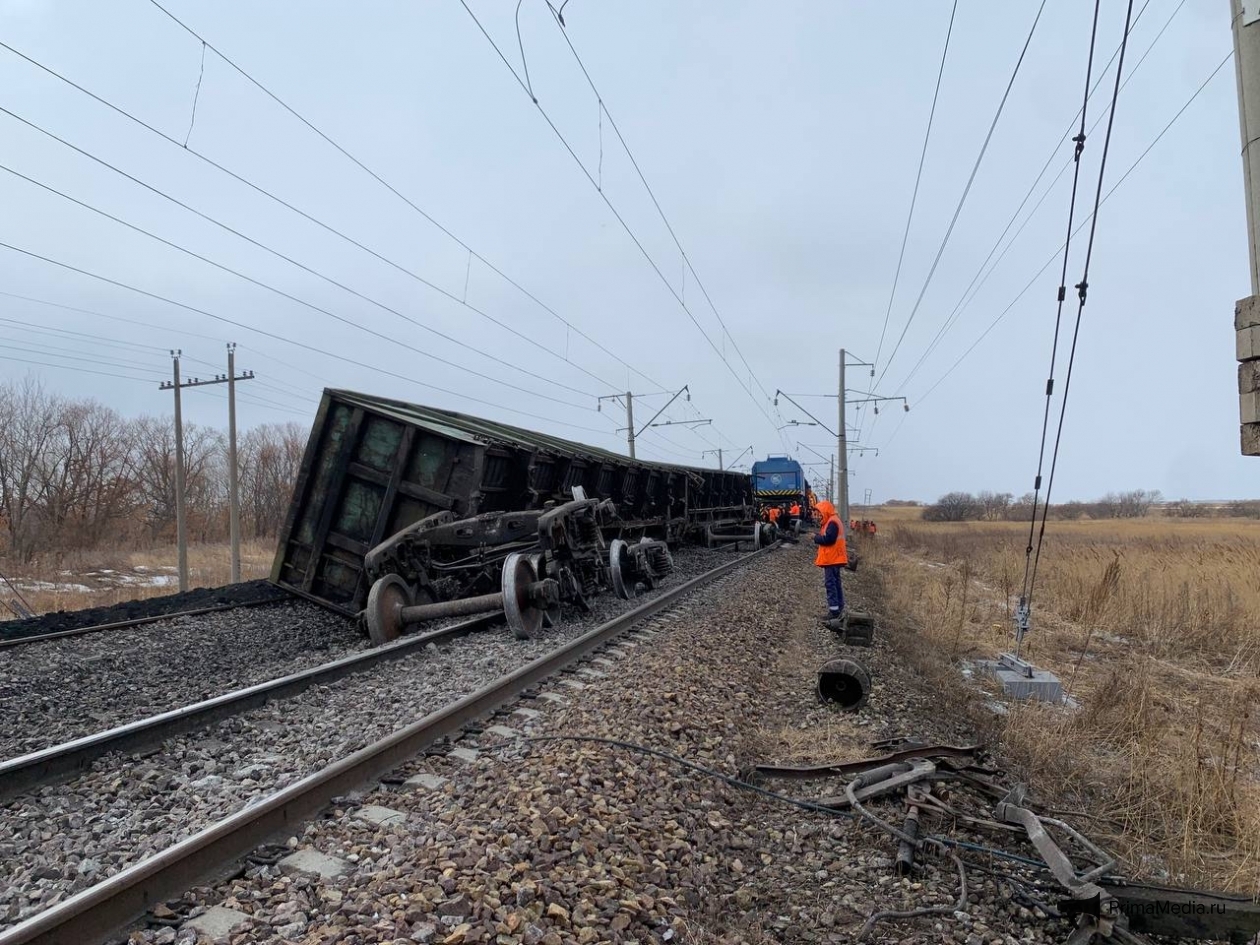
918, 178
1046, 265
1078, 150
328, 139
971, 179
620, 219
652, 194
1082, 294
981, 277
262, 191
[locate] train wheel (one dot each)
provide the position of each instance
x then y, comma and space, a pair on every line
551, 616
618, 565
523, 616
388, 596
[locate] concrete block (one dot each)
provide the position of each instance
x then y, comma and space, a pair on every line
1247, 312
589, 673
1249, 407
1248, 376
1250, 439
468, 755
1043, 686
503, 731
379, 816
430, 782
216, 922
573, 684
1247, 343
603, 662
528, 714
314, 862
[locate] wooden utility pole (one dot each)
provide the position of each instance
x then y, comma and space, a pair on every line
234, 500
181, 524
1245, 19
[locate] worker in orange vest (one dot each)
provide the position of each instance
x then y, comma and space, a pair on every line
795, 510
774, 515
832, 556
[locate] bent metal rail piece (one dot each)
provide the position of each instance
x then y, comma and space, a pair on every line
97, 912
135, 622
58, 762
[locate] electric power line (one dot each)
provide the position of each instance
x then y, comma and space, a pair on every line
397, 193
339, 357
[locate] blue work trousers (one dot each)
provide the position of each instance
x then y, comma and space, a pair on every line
835, 593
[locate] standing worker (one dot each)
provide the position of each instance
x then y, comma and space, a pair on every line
795, 510
832, 556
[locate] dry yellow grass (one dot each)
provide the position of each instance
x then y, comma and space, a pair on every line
82, 579
1154, 625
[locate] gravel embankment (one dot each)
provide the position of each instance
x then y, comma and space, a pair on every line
53, 691
64, 838
195, 599
556, 842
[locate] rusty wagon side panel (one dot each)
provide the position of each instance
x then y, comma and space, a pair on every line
374, 466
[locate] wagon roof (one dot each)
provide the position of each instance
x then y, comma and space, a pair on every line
462, 426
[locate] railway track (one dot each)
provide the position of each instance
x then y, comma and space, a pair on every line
49, 765
97, 911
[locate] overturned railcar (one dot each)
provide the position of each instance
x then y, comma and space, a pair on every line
375, 466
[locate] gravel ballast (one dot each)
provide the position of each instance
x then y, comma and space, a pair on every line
63, 838
52, 691
530, 830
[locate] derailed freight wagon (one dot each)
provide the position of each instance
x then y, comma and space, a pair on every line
376, 468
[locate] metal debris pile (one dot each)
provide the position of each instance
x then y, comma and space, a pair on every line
941, 787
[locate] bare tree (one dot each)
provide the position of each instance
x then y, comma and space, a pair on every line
28, 430
953, 507
270, 457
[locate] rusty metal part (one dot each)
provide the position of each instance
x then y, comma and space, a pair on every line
523, 599
905, 849
58, 762
1185, 913
96, 912
637, 567
845, 683
845, 768
877, 782
1102, 917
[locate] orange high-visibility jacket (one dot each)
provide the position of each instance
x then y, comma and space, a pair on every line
796, 509
774, 513
832, 554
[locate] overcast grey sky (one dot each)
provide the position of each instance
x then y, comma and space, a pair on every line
781, 141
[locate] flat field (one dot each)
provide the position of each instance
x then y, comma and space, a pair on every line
1152, 624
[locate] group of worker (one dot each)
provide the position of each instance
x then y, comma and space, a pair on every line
862, 527
781, 514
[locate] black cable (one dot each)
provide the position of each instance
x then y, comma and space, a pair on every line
1082, 293
292, 341
617, 215
316, 308
397, 193
1062, 296
966, 191
1084, 223
918, 177
196, 96
288, 206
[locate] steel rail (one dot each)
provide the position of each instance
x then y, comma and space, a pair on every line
137, 621
58, 762
99, 911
